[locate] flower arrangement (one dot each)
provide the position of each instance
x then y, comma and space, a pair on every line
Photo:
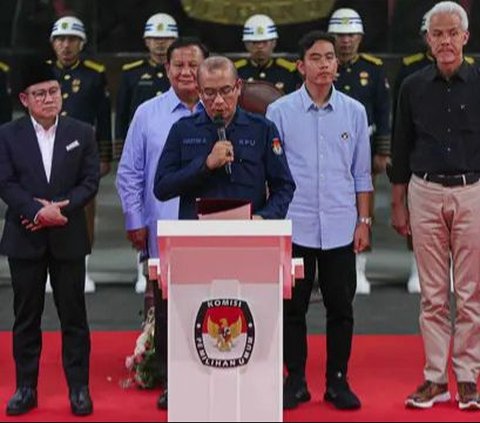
143, 365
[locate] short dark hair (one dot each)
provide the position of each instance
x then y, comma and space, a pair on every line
186, 42
309, 39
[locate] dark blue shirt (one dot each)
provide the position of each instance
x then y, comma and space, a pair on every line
260, 162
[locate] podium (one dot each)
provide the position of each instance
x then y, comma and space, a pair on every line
225, 282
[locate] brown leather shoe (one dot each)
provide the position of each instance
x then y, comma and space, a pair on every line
428, 394
468, 396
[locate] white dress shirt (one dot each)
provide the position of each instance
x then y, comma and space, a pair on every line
46, 140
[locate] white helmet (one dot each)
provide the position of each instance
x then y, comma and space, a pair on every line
69, 25
345, 21
259, 28
161, 25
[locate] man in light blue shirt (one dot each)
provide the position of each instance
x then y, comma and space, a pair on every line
326, 140
136, 171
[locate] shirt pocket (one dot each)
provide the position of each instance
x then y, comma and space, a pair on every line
247, 168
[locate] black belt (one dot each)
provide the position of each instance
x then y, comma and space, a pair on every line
450, 180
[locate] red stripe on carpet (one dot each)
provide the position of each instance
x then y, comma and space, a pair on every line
383, 370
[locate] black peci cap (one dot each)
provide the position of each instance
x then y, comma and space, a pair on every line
34, 71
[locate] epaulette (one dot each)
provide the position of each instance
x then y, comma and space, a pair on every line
470, 60
241, 63
132, 65
284, 63
4, 67
94, 65
372, 59
413, 58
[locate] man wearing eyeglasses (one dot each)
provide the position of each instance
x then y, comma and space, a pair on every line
49, 170
194, 163
136, 170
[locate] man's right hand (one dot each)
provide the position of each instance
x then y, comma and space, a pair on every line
221, 154
400, 219
138, 238
51, 213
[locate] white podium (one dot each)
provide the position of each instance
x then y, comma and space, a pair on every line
225, 282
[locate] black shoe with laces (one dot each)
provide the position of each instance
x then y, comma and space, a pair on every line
162, 403
294, 393
342, 397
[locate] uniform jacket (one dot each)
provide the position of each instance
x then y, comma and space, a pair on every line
140, 81
259, 159
5, 100
75, 176
85, 97
364, 79
279, 72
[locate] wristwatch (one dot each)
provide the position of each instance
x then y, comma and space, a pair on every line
365, 219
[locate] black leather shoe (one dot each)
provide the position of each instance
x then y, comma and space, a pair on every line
342, 397
162, 403
80, 401
294, 394
23, 400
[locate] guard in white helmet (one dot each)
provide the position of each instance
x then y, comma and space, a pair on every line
260, 38
85, 97
140, 81
362, 76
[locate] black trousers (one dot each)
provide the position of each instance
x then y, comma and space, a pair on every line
68, 283
337, 280
161, 334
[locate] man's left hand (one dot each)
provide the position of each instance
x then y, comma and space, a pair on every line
380, 163
104, 168
361, 238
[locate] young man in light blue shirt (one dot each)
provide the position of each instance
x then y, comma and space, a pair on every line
326, 140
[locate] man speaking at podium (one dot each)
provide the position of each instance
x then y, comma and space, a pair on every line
224, 152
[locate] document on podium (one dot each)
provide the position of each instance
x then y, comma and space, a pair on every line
223, 209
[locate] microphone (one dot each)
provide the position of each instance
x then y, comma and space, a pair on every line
222, 136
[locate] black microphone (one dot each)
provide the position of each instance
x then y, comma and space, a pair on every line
222, 136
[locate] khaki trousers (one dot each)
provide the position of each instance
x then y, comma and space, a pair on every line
445, 224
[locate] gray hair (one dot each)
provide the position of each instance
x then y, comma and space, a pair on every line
448, 7
217, 63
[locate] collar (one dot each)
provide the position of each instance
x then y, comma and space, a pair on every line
351, 62
309, 104
462, 72
74, 66
239, 118
155, 65
39, 128
175, 103
256, 65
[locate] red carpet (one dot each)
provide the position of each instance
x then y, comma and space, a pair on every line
384, 369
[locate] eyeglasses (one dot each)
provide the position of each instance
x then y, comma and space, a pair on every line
41, 95
211, 93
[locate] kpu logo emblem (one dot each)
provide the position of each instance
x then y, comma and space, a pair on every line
224, 333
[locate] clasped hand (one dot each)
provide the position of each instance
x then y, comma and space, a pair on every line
50, 215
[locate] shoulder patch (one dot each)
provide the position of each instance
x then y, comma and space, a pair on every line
98, 67
287, 64
4, 67
372, 59
241, 63
414, 58
470, 60
132, 65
